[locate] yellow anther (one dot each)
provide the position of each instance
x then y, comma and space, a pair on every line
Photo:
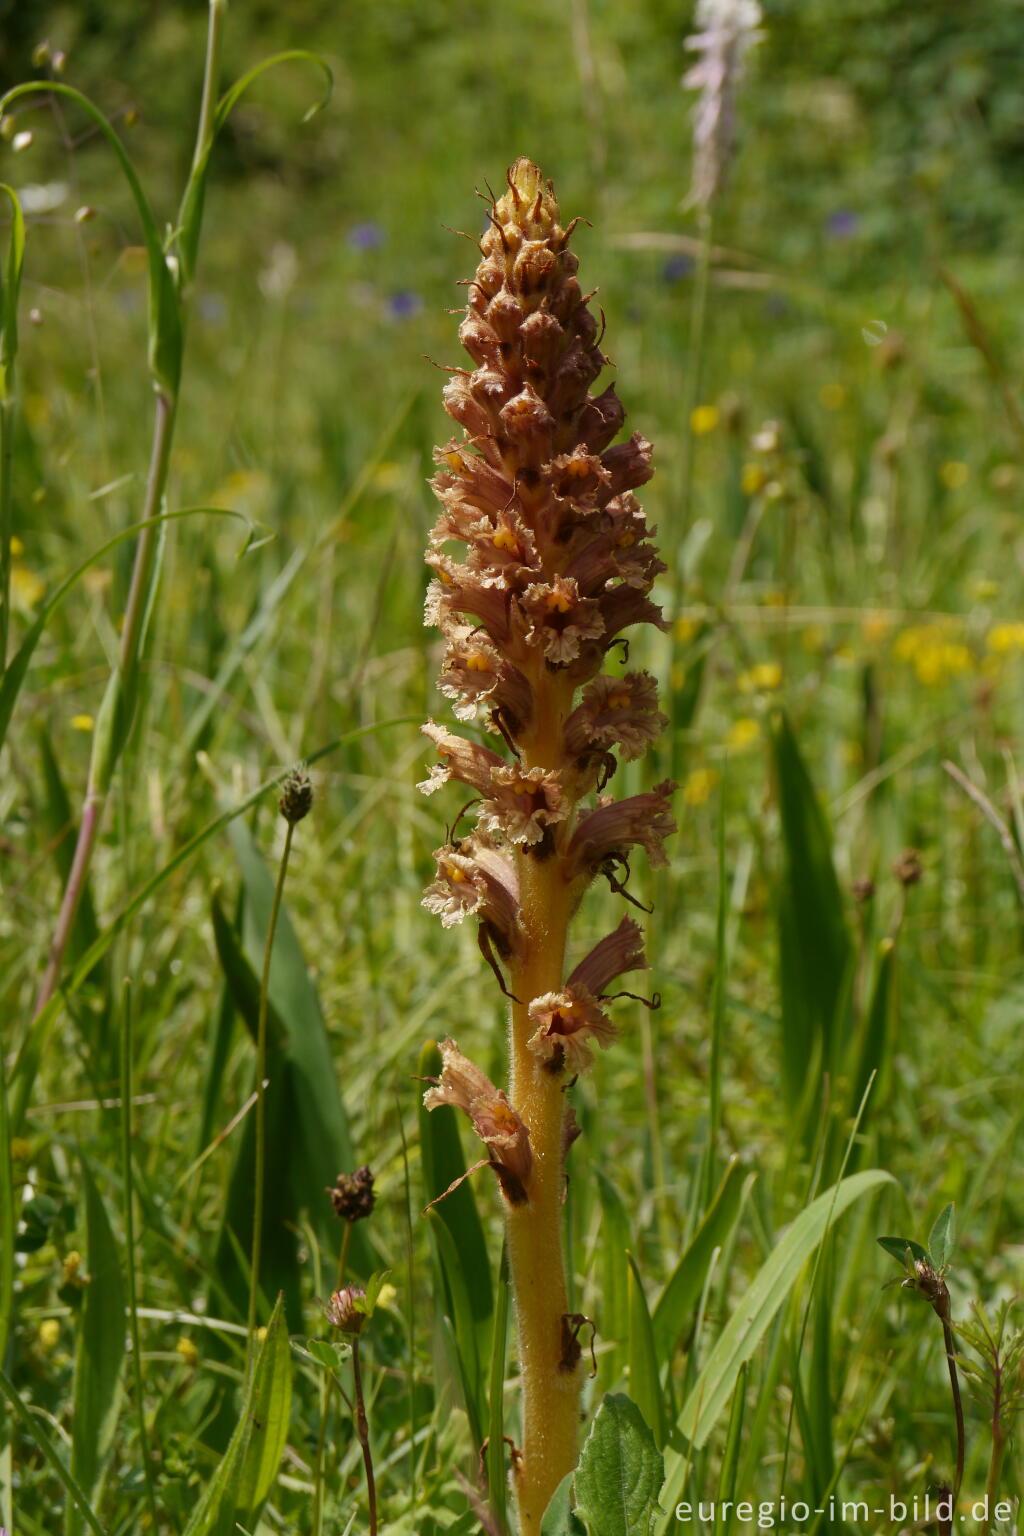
504, 538
455, 874
454, 461
557, 602
446, 579
476, 661
619, 701
624, 540
579, 468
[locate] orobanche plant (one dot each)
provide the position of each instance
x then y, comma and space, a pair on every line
557, 562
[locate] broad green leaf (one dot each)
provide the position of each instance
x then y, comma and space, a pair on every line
270, 1418
443, 1162
620, 1472
942, 1238
769, 1290
677, 1302
280, 1268
616, 1241
899, 1247
644, 1382
331, 1356
878, 1027
462, 1323
221, 1503
99, 1352
559, 1519
814, 943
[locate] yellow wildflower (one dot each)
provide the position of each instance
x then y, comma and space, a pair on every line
742, 733
26, 587
752, 478
1003, 638
813, 639
982, 589
698, 786
188, 1351
16, 546
933, 652
49, 1335
953, 474
685, 630
703, 419
765, 677
82, 722
875, 626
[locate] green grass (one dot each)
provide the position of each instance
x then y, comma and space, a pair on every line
844, 613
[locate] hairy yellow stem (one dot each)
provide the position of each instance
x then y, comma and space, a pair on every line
551, 1390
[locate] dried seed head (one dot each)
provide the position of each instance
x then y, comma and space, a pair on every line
353, 1196
296, 800
908, 868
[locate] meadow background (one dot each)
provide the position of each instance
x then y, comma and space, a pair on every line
840, 495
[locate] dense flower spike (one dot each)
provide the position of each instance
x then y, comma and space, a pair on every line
540, 557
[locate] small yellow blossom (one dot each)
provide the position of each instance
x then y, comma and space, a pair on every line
1004, 638
188, 1351
248, 488
752, 478
72, 1270
82, 722
26, 587
813, 639
765, 677
49, 1335
983, 590
953, 474
742, 733
387, 1295
703, 419
832, 396
16, 546
685, 630
875, 626
389, 476
698, 786
934, 652
261, 1334
773, 597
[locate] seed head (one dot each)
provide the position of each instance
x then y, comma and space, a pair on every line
296, 800
346, 1309
353, 1196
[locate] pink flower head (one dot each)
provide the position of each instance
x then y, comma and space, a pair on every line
560, 618
568, 1022
475, 880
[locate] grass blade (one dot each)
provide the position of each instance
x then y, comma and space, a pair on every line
644, 1383
674, 1308
769, 1290
100, 1351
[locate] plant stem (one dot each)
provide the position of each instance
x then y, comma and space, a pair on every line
958, 1407
261, 1102
129, 1236
363, 1432
325, 1403
6, 529
535, 1250
107, 747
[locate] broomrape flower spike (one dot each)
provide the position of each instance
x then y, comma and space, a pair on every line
541, 558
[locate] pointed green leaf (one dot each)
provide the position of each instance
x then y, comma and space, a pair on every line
559, 1519
675, 1306
814, 942
463, 1326
620, 1472
769, 1290
644, 1383
942, 1239
270, 1412
899, 1247
221, 1502
100, 1349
